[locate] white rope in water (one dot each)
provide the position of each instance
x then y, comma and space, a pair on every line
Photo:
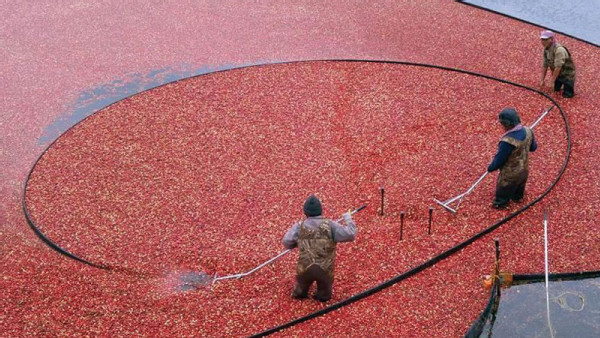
546, 268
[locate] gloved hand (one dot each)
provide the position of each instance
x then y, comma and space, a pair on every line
347, 217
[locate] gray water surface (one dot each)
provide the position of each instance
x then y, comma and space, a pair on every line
574, 310
578, 18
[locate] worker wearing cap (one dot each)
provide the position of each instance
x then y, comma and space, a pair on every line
316, 238
560, 62
512, 159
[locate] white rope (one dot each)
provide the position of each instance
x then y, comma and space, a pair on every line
546, 268
562, 301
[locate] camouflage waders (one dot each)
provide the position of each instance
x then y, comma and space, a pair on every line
514, 173
315, 261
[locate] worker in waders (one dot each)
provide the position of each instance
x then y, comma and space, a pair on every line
316, 238
512, 159
559, 60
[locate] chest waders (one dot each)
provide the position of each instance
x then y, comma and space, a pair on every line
316, 248
517, 165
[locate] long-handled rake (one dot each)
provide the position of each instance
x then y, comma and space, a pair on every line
446, 204
203, 279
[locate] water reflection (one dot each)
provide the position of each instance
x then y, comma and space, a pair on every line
574, 310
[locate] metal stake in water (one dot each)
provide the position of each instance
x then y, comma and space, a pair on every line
382, 199
430, 220
401, 223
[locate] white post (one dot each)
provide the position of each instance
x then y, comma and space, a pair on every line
546, 271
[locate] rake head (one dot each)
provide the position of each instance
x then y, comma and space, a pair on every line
445, 206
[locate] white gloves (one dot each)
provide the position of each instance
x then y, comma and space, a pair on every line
347, 217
